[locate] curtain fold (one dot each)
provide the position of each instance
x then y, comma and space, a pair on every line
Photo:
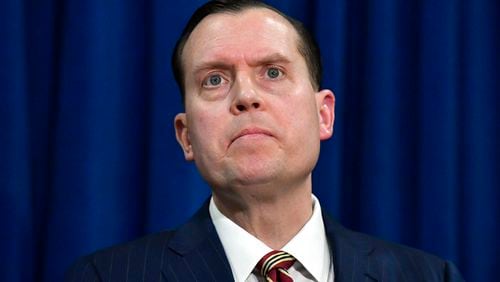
88, 156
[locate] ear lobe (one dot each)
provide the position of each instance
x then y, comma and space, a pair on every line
181, 133
326, 109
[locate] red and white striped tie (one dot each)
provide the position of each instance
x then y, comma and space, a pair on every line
274, 265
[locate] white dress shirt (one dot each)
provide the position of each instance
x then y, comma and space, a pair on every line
309, 246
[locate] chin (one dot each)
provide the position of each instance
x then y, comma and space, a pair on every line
251, 176
254, 173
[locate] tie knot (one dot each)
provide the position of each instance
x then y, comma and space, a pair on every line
274, 266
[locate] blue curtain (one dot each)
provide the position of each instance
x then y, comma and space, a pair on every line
88, 156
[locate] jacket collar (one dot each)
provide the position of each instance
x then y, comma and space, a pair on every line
351, 253
199, 251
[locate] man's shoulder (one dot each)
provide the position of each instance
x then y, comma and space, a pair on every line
390, 261
145, 252
157, 255
412, 261
388, 249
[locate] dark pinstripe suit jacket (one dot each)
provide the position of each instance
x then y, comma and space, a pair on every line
194, 253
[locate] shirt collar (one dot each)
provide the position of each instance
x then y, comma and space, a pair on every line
243, 250
310, 245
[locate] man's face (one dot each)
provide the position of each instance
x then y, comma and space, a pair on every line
252, 116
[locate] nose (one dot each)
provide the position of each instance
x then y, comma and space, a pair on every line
246, 96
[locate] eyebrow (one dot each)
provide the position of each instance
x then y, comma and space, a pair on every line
216, 64
271, 59
221, 63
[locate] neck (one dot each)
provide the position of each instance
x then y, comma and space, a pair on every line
271, 214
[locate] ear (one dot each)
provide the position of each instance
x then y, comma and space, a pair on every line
325, 100
181, 133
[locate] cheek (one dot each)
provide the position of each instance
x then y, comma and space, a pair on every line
300, 105
303, 118
206, 130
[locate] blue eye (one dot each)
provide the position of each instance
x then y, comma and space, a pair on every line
273, 72
213, 80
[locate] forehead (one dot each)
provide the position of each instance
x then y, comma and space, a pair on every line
244, 35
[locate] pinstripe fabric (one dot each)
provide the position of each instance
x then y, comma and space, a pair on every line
194, 253
359, 257
191, 253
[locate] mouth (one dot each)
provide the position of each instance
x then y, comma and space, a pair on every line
251, 132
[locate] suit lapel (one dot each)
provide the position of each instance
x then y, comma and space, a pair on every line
351, 254
197, 253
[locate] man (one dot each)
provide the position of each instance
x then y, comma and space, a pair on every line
254, 118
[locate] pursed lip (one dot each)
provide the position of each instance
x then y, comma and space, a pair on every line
251, 131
